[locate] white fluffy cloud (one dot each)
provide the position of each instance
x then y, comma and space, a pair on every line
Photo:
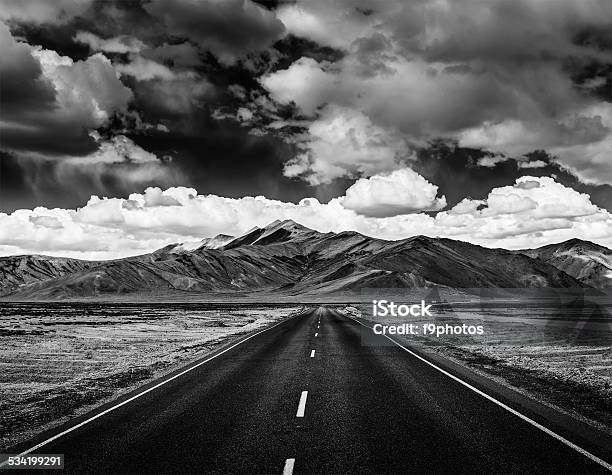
342, 142
305, 82
89, 91
334, 24
532, 212
400, 192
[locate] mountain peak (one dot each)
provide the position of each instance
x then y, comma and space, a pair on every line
276, 231
581, 242
287, 224
281, 231
215, 242
589, 262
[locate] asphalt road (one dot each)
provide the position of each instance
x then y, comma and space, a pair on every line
368, 409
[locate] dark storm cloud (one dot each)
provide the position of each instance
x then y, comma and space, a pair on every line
28, 182
176, 86
225, 159
15, 193
509, 76
229, 29
29, 102
50, 102
398, 72
183, 55
293, 48
57, 38
43, 12
22, 84
459, 172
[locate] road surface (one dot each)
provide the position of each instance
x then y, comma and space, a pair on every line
306, 396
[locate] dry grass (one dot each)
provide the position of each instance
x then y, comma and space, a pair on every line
57, 361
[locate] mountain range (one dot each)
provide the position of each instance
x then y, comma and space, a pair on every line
286, 258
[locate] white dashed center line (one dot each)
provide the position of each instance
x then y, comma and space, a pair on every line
288, 469
302, 404
316, 334
312, 353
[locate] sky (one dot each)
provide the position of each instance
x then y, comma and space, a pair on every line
131, 124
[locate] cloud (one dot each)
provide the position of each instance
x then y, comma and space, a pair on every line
306, 82
46, 221
183, 55
533, 164
230, 29
581, 143
491, 161
145, 69
590, 160
89, 90
336, 25
118, 149
51, 102
532, 212
119, 161
22, 85
344, 142
244, 115
117, 166
465, 70
164, 97
43, 11
400, 192
118, 44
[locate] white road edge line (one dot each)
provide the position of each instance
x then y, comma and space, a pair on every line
288, 469
537, 425
312, 353
123, 403
302, 404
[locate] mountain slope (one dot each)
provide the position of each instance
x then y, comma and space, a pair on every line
16, 271
289, 258
587, 262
